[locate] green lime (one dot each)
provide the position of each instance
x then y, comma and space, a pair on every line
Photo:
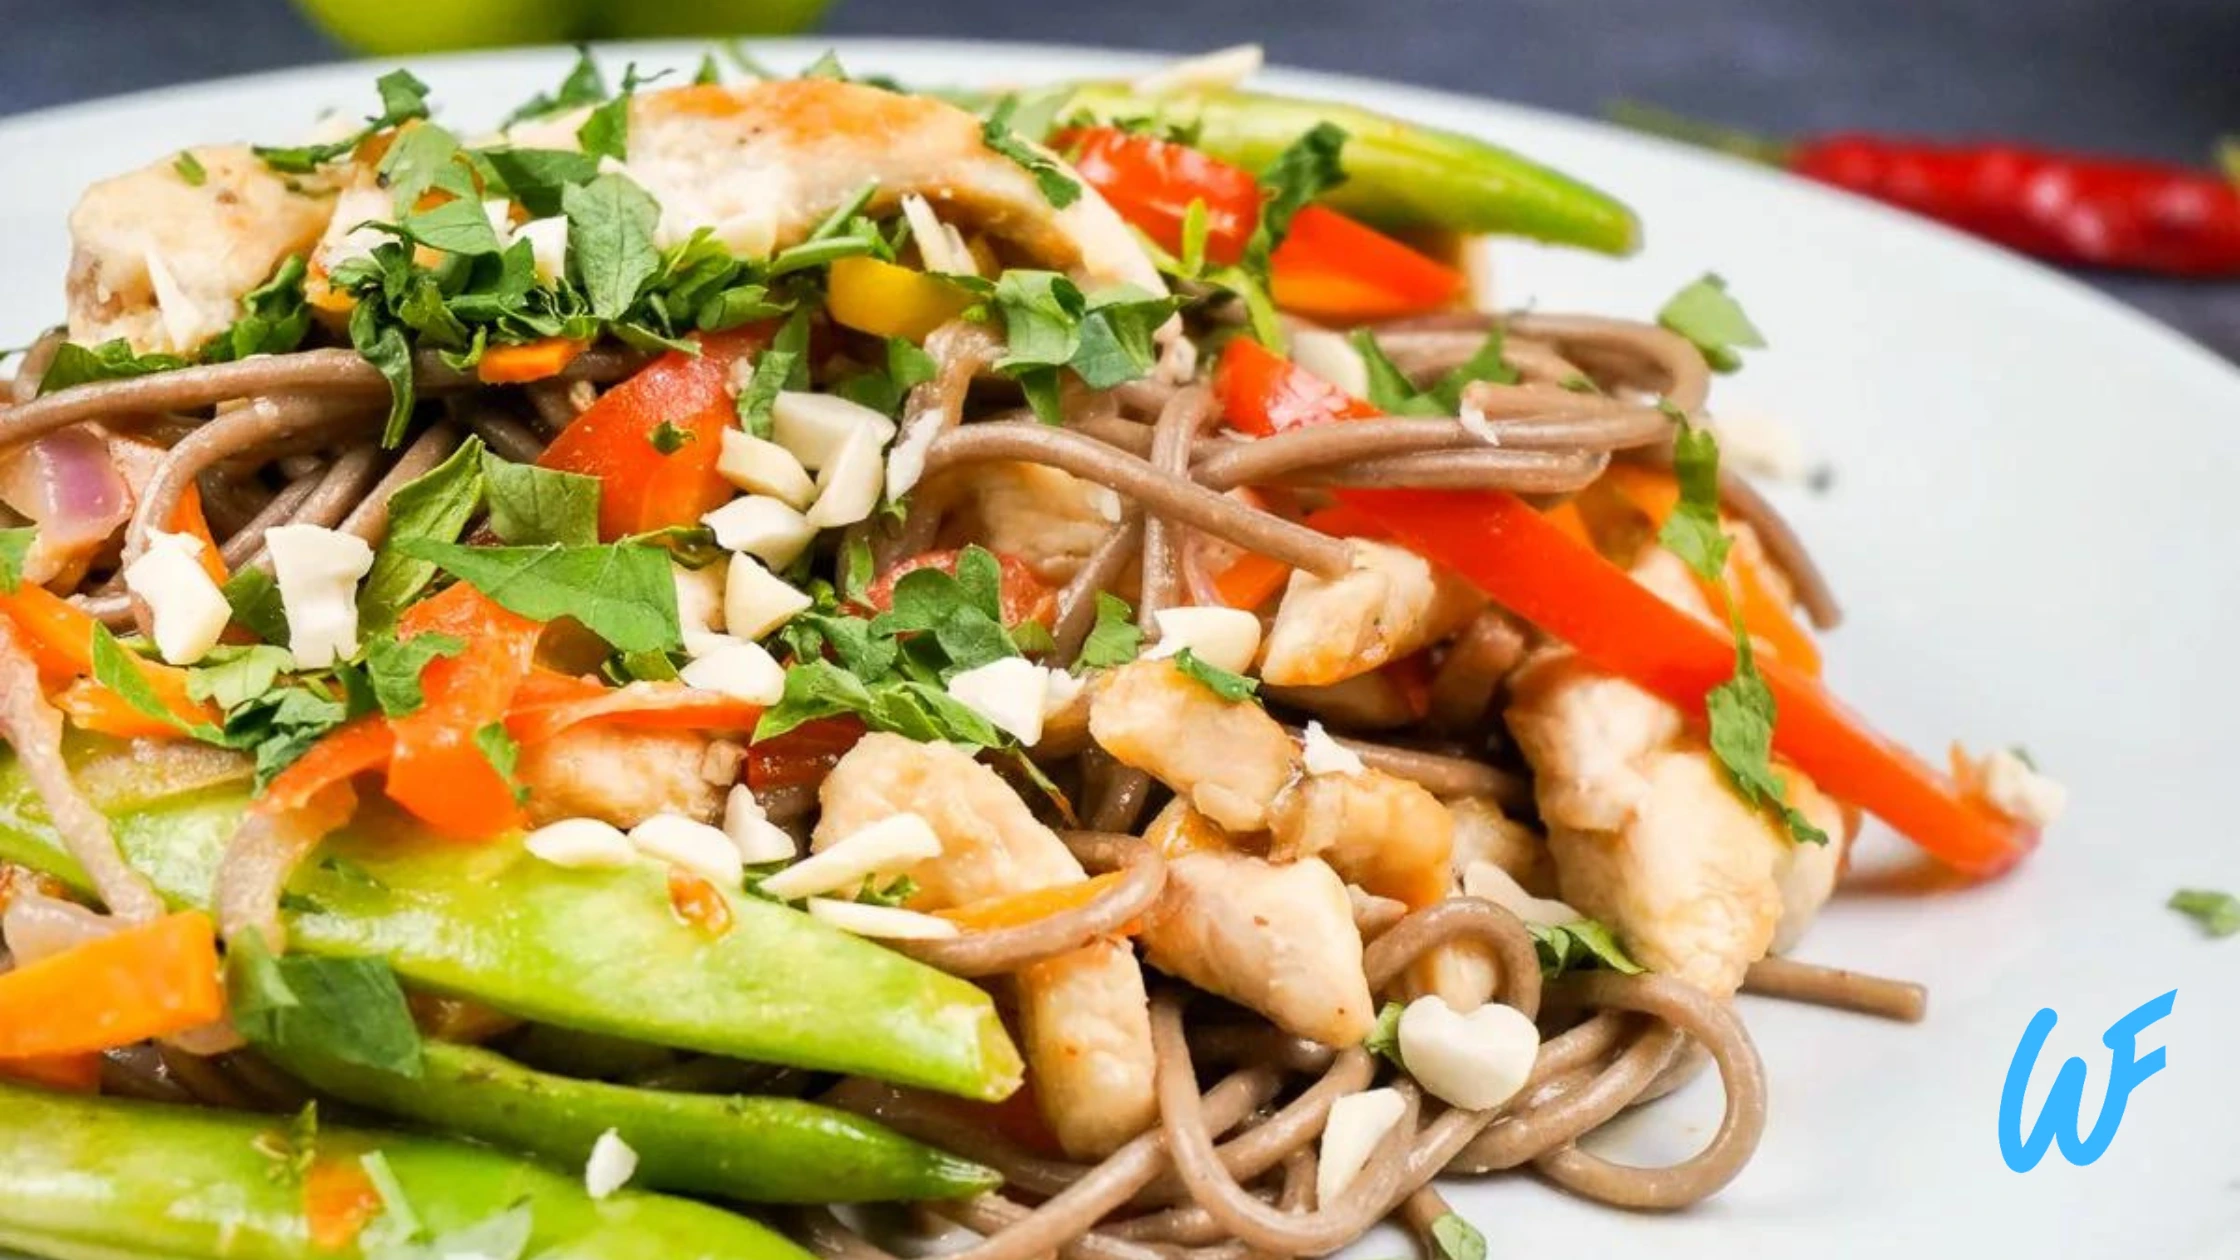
395, 27
631, 19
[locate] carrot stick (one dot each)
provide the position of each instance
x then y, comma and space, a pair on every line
146, 981
530, 361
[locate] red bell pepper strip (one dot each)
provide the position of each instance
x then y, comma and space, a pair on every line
438, 769
802, 756
1024, 597
1537, 570
644, 486
1328, 266
549, 703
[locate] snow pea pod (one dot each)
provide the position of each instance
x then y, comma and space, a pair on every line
89, 1177
595, 950
1399, 175
755, 1150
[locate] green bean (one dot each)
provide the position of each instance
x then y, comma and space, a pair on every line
1399, 175
752, 1150
596, 950
99, 1179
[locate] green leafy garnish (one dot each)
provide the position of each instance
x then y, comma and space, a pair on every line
15, 550
1115, 639
668, 438
403, 98
119, 671
498, 747
231, 677
255, 599
436, 505
346, 1009
1307, 168
900, 890
1580, 946
382, 343
1458, 1239
610, 241
996, 131
622, 592
584, 85
190, 169
292, 1150
2218, 913
530, 505
273, 319
1391, 392
115, 360
1707, 315
1692, 532
1049, 323
1384, 1039
1232, 687
394, 666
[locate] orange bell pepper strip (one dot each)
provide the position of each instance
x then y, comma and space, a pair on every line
339, 1201
437, 770
69, 1073
345, 753
643, 487
1328, 266
59, 636
150, 980
188, 518
549, 703
529, 361
1251, 580
1535, 569
1030, 906
1656, 494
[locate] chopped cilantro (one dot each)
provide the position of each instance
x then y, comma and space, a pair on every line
1058, 188
584, 85
346, 1009
394, 666
1231, 687
113, 360
1115, 639
668, 438
190, 169
1581, 945
1707, 315
497, 746
1306, 169
15, 550
1384, 1038
622, 592
403, 98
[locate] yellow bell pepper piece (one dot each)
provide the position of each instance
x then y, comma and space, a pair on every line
885, 300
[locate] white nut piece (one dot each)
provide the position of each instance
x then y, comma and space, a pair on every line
1330, 356
317, 570
189, 610
1321, 754
893, 842
611, 1166
1226, 638
759, 841
757, 601
741, 670
886, 923
1475, 1061
815, 426
699, 598
762, 527
762, 467
694, 845
581, 844
848, 488
1488, 882
1357, 1123
1013, 694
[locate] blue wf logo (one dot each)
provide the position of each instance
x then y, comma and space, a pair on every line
2126, 1072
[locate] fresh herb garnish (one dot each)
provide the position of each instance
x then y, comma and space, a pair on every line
346, 1009
900, 890
668, 438
2217, 912
1115, 639
1105, 337
1707, 315
1391, 392
15, 551
394, 666
1033, 119
274, 317
1384, 1038
622, 592
1307, 168
1580, 946
1458, 1239
498, 747
190, 169
1230, 686
231, 677
403, 98
610, 241
436, 505
584, 85
774, 370
115, 360
530, 505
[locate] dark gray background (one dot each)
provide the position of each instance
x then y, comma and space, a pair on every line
2148, 77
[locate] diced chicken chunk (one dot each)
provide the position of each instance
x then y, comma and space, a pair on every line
1050, 519
1385, 833
1482, 833
1693, 883
1230, 760
624, 777
1588, 737
1085, 1021
763, 163
1391, 604
1278, 939
162, 262
1375, 701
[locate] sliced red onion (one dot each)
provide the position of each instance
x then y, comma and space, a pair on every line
264, 854
37, 927
69, 486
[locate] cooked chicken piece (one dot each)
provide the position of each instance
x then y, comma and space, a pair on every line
763, 163
1050, 519
1085, 1021
163, 263
626, 776
1693, 883
1374, 701
1385, 833
1277, 939
1230, 760
991, 843
1808, 872
1086, 1026
361, 201
1482, 833
1391, 604
1179, 829
1588, 737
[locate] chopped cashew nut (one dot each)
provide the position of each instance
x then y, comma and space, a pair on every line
893, 842
611, 1166
1472, 1061
759, 841
189, 610
1225, 638
1357, 1123
880, 922
318, 571
581, 844
693, 845
762, 527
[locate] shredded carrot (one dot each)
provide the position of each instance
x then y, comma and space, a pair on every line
699, 902
530, 361
1656, 495
1031, 906
59, 635
549, 703
188, 518
346, 752
1565, 516
1252, 581
146, 981
71, 1073
339, 1201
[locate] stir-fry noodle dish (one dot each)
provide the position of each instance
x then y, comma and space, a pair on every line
742, 666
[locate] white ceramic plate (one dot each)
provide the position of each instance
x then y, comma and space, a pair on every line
2031, 524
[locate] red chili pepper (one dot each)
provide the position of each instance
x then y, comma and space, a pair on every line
2074, 208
